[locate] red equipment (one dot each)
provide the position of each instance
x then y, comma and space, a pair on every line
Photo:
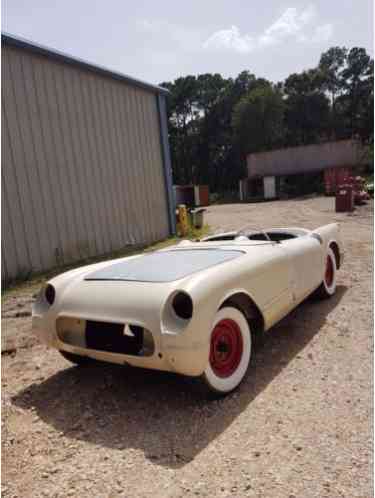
360, 194
344, 198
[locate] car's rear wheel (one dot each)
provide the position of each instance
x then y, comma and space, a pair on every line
328, 286
76, 358
230, 351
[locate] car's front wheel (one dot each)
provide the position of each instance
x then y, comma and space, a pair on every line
230, 351
328, 286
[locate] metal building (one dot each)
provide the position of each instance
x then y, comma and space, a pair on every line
267, 171
85, 160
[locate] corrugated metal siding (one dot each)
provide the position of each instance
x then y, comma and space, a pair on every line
303, 159
82, 166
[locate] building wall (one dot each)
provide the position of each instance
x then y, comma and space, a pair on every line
303, 159
82, 164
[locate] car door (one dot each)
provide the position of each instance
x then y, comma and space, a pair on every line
269, 281
305, 257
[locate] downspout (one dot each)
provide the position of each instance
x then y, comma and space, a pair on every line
162, 111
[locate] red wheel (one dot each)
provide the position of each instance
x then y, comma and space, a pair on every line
328, 286
230, 351
226, 348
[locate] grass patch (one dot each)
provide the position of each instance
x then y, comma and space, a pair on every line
34, 281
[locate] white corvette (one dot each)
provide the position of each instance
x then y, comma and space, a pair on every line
195, 308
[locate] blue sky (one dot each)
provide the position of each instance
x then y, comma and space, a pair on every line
160, 41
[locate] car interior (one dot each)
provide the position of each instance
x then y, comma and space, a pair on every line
268, 235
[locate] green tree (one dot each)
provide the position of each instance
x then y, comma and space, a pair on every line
182, 114
307, 114
258, 120
347, 76
331, 65
358, 77
210, 89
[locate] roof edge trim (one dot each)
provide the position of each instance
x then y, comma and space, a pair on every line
15, 41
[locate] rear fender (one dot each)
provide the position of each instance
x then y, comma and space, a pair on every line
330, 236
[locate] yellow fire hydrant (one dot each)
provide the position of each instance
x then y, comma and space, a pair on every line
183, 220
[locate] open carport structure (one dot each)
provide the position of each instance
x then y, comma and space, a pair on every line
270, 172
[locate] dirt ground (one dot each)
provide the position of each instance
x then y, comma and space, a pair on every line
300, 425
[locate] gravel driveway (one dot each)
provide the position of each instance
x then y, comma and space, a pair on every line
299, 426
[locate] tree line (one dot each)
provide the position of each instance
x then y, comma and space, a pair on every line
214, 122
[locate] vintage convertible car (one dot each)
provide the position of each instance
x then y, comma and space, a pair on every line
196, 308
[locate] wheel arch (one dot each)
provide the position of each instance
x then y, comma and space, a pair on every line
336, 251
242, 300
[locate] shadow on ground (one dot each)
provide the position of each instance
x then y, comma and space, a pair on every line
158, 413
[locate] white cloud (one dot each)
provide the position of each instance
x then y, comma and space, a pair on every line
308, 15
322, 33
291, 25
230, 39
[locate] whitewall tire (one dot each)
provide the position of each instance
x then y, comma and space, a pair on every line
230, 351
328, 286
